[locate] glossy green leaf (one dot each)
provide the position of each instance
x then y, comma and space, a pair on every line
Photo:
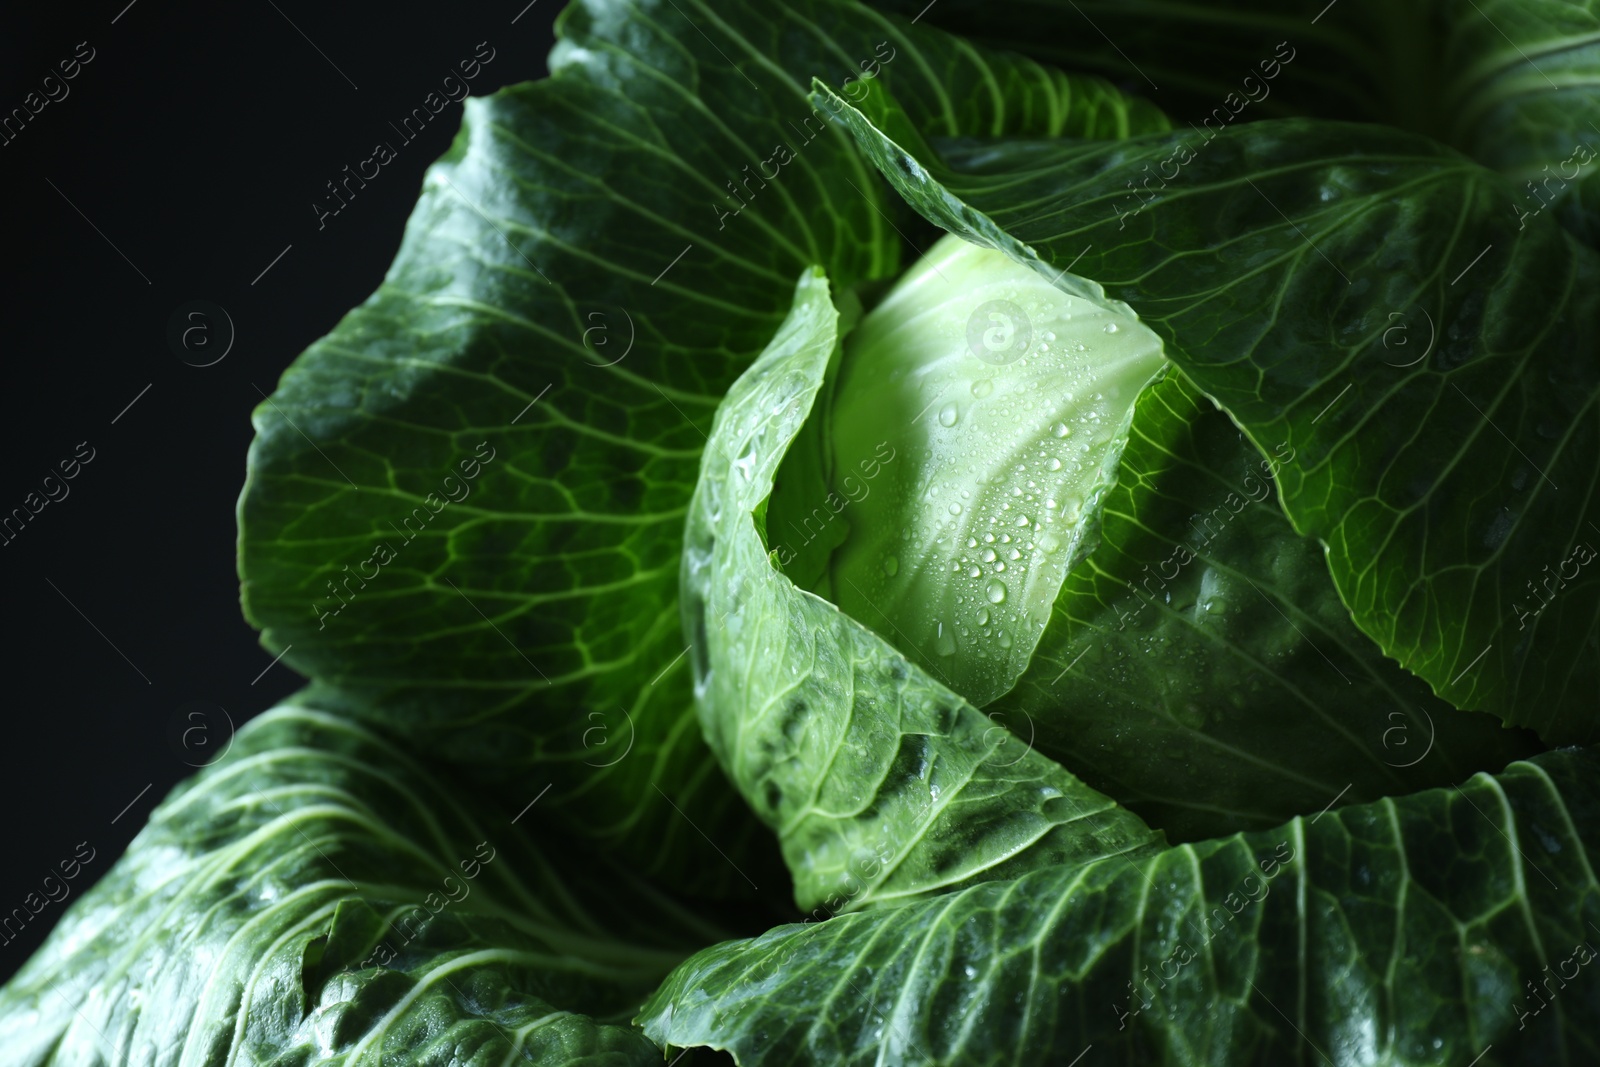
1521, 85
1361, 297
1200, 667
881, 783
316, 896
1453, 926
1189, 55
1512, 83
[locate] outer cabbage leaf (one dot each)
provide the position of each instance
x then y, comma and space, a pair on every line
881, 783
1286, 268
317, 897
1452, 926
1190, 54
465, 504
1520, 92
1199, 666
1512, 83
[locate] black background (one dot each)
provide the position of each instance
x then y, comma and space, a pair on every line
195, 141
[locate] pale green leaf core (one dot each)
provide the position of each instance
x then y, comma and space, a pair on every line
1006, 402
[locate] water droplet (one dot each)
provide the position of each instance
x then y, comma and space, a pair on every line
1054, 464
995, 591
982, 388
983, 616
1050, 543
975, 571
988, 555
1061, 429
891, 566
1023, 520
1111, 327
743, 464
945, 642
955, 509
948, 414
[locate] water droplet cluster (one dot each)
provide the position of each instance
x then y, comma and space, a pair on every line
961, 550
